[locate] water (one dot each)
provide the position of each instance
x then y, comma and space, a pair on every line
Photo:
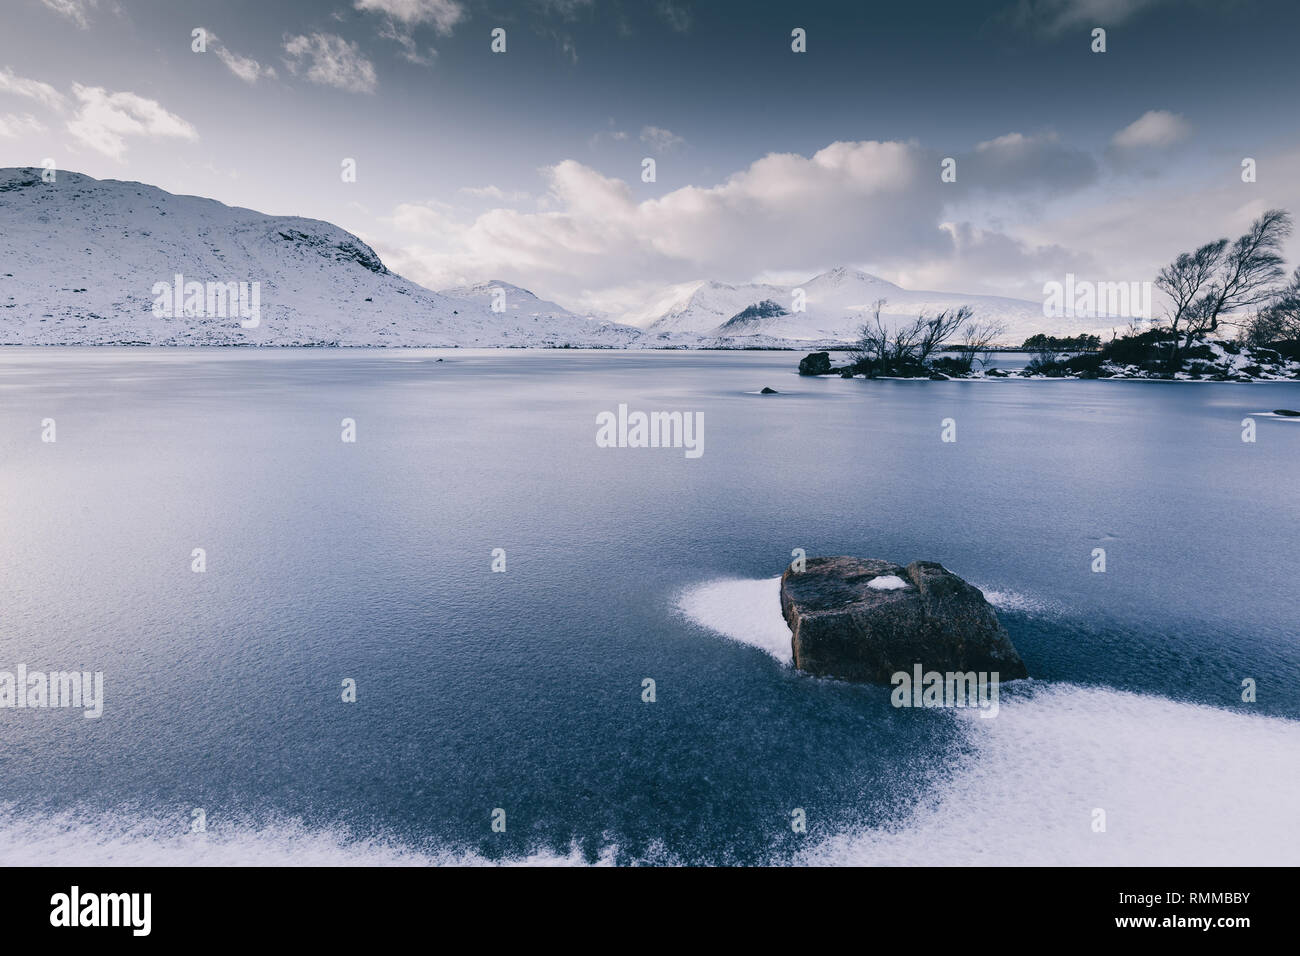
522, 691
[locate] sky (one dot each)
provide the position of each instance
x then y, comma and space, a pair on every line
526, 166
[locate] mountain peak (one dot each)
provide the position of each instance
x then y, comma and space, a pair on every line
843, 275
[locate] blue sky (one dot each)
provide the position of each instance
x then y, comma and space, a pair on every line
526, 166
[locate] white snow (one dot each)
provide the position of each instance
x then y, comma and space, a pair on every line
887, 582
79, 258
748, 611
1181, 785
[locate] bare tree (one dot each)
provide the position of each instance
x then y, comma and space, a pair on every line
1279, 320
933, 332
907, 346
1186, 279
976, 338
1247, 272
872, 350
1219, 279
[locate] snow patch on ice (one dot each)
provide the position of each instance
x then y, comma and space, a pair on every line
744, 610
1180, 784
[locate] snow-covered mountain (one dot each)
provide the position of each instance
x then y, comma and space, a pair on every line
836, 304
92, 262
96, 262
699, 307
546, 320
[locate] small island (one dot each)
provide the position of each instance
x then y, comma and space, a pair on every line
1239, 285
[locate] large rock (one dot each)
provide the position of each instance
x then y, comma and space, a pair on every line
815, 363
865, 620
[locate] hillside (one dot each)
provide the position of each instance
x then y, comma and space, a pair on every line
81, 259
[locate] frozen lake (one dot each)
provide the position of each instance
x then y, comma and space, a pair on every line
371, 560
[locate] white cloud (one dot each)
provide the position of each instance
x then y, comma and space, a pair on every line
594, 241
1057, 16
617, 135
78, 11
425, 218
1153, 129
442, 14
244, 67
13, 125
32, 89
568, 9
403, 38
103, 120
331, 60
675, 15
660, 140
494, 193
784, 210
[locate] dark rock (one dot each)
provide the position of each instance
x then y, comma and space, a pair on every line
843, 627
752, 316
938, 377
997, 373
769, 391
1288, 412
815, 363
846, 372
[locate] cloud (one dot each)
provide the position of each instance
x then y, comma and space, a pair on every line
494, 193
1019, 163
617, 135
983, 260
403, 38
1057, 16
244, 67
594, 242
1139, 225
676, 15
13, 125
567, 46
660, 140
443, 15
876, 199
103, 120
78, 11
424, 218
331, 60
1153, 129
568, 9
32, 89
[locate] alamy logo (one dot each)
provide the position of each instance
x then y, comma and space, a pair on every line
215, 300
626, 429
38, 689
103, 909
951, 689
1080, 298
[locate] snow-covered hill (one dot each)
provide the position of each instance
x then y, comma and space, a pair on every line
699, 307
836, 304
545, 320
82, 260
